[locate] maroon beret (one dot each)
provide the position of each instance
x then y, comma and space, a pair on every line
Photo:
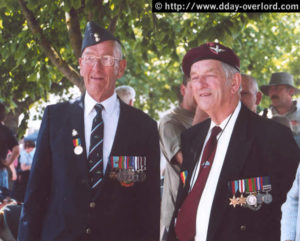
210, 51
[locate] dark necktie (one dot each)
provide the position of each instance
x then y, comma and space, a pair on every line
185, 227
95, 157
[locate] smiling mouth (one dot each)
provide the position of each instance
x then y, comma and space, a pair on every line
205, 94
97, 78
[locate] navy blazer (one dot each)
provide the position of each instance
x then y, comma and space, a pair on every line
58, 203
258, 147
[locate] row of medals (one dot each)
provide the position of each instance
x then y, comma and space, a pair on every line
253, 201
127, 175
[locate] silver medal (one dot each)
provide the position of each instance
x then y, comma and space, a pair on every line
267, 198
78, 150
259, 198
251, 200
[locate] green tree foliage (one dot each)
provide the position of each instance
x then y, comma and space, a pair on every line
41, 42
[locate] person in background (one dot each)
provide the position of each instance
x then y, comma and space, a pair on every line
8, 142
25, 162
250, 94
290, 220
281, 90
126, 93
170, 128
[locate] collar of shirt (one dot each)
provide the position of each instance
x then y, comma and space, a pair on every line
227, 123
110, 115
109, 104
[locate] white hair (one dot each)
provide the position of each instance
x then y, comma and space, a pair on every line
252, 80
126, 93
117, 54
229, 71
118, 50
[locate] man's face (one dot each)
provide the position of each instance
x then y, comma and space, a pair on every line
248, 94
281, 95
100, 80
210, 88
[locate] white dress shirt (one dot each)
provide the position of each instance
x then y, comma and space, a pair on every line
110, 116
207, 198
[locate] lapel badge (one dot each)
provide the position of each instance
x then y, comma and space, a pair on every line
74, 132
183, 176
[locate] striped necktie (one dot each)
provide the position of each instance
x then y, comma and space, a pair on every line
95, 157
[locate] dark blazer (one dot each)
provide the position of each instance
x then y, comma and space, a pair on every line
58, 203
258, 147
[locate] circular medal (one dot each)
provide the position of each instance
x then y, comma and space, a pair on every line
251, 200
130, 175
267, 198
78, 150
259, 198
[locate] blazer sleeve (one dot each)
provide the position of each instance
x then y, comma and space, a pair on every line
149, 193
290, 211
38, 187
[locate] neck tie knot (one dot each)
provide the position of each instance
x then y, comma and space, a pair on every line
98, 108
215, 131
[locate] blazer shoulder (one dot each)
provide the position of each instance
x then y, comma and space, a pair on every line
136, 115
62, 107
194, 130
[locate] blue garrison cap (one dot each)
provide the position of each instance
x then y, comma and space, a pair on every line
94, 34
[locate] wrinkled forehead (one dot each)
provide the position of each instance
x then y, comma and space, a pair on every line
206, 66
103, 48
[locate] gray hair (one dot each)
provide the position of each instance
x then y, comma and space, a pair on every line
252, 79
118, 50
229, 71
126, 93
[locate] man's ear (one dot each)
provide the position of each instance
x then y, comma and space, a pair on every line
236, 83
291, 91
258, 97
122, 67
182, 89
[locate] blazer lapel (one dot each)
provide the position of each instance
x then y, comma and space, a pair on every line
237, 152
190, 161
77, 124
120, 144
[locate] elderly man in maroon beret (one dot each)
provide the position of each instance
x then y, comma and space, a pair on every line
236, 169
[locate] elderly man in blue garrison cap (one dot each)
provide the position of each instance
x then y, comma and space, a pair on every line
95, 175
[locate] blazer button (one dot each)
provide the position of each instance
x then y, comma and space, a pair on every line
88, 231
243, 228
92, 204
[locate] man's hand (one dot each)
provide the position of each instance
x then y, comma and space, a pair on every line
10, 158
178, 158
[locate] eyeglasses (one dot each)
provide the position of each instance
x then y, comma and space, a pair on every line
105, 60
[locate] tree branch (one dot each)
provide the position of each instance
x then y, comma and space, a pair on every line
113, 22
74, 33
67, 70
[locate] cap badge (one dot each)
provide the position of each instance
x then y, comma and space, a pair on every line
217, 50
97, 37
